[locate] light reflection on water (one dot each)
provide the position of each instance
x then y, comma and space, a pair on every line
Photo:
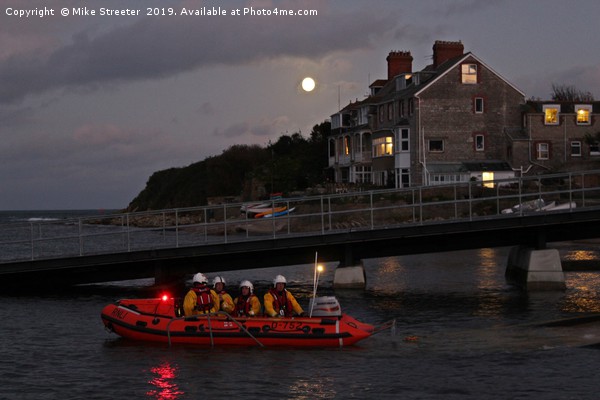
469, 326
164, 383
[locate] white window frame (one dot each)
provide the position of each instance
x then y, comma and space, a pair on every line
403, 140
541, 153
383, 146
575, 144
475, 108
468, 73
482, 146
548, 107
582, 108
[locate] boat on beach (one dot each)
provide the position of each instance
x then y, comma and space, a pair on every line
539, 205
160, 320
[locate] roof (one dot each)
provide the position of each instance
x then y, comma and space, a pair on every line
446, 66
491, 165
537, 106
469, 166
446, 168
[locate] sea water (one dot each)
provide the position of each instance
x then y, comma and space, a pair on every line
461, 333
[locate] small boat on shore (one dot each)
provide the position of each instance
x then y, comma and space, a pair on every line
160, 320
539, 205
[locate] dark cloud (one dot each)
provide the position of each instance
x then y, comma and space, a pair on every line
160, 47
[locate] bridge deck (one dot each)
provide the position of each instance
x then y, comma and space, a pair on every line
344, 227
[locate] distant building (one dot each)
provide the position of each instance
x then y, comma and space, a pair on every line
446, 123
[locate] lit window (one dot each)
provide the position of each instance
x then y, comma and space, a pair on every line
543, 151
479, 143
583, 114
383, 146
436, 145
575, 149
551, 114
469, 73
478, 105
346, 145
488, 179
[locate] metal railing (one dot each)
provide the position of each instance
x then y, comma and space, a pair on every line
312, 215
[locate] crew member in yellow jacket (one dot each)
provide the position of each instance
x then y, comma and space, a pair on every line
225, 299
279, 302
201, 299
247, 303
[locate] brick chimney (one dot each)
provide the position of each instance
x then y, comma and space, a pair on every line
399, 62
443, 51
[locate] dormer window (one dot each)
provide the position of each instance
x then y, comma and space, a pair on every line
551, 112
469, 73
583, 113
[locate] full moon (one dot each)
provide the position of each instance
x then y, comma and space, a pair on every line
308, 84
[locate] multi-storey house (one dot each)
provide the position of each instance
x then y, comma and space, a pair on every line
443, 124
556, 136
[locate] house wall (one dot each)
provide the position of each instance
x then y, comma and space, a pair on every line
447, 112
559, 137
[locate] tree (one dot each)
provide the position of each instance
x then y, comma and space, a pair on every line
570, 93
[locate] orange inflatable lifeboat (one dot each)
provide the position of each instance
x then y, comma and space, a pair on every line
160, 320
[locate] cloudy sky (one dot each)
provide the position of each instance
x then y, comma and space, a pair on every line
91, 106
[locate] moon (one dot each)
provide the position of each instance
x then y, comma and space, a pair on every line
308, 84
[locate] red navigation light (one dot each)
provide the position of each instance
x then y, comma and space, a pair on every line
164, 297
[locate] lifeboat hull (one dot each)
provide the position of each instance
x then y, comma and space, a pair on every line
155, 320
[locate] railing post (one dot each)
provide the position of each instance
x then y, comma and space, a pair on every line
570, 191
164, 221
372, 218
583, 189
322, 217
128, 233
329, 211
225, 222
455, 202
497, 199
205, 225
414, 211
521, 195
470, 201
176, 227
288, 218
420, 204
31, 239
80, 238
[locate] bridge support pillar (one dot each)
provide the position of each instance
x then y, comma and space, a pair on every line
535, 269
350, 277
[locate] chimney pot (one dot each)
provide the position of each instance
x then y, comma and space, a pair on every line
399, 62
444, 51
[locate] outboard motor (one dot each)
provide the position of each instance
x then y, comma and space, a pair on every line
324, 306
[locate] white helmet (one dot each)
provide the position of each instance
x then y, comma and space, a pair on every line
218, 279
279, 279
247, 284
200, 278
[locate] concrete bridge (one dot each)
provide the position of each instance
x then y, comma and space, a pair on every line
347, 227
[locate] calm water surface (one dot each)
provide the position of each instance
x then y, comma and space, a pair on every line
477, 338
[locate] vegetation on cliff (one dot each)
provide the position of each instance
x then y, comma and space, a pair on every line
246, 171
